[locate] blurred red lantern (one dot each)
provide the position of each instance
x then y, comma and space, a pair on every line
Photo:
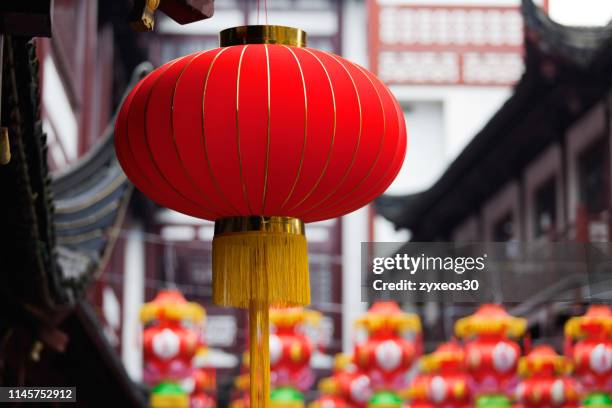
204, 387
290, 348
418, 392
491, 354
261, 135
170, 340
448, 384
203, 382
240, 396
546, 382
347, 383
386, 355
168, 349
592, 353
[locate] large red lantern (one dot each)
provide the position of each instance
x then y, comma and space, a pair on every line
261, 135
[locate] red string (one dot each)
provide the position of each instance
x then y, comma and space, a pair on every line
266, 10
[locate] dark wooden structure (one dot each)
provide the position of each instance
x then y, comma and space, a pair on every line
57, 233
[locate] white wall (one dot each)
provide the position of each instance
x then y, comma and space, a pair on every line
59, 119
441, 121
133, 298
354, 225
426, 151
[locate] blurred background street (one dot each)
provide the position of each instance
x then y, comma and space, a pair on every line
508, 112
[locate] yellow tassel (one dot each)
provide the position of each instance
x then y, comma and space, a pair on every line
259, 332
260, 262
267, 267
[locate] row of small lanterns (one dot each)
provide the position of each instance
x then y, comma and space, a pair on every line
485, 370
387, 368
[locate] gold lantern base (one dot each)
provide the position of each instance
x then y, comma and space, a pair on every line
262, 260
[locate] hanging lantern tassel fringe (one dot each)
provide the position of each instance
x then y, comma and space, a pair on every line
260, 259
259, 262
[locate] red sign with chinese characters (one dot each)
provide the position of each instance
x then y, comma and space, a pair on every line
445, 45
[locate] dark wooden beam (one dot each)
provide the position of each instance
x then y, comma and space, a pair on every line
26, 17
142, 17
187, 11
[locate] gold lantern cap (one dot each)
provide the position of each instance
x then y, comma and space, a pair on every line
262, 34
450, 352
490, 319
293, 316
598, 318
541, 358
388, 315
171, 304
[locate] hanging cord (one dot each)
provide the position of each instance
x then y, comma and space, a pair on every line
266, 10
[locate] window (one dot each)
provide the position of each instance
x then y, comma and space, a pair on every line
503, 229
545, 207
321, 282
592, 178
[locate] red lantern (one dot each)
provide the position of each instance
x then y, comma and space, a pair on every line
448, 384
347, 383
261, 135
290, 348
261, 129
240, 396
386, 355
168, 349
592, 354
203, 382
546, 383
169, 344
491, 354
418, 392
